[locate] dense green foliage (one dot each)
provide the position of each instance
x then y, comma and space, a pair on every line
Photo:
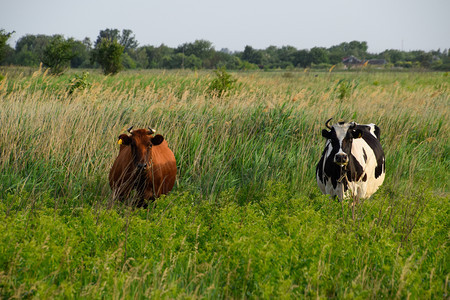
223, 82
201, 54
57, 54
108, 54
246, 219
4, 37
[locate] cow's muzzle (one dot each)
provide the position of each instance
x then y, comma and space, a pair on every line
341, 159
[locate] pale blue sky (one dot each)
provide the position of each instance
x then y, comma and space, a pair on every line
233, 24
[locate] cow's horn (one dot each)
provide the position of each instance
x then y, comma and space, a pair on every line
327, 123
152, 131
129, 129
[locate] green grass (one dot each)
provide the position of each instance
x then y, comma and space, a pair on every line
246, 219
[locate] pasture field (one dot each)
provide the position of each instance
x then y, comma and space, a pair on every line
246, 218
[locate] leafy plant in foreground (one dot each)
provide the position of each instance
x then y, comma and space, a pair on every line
223, 82
79, 82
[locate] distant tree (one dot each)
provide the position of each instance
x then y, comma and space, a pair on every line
286, 55
140, 57
358, 49
318, 55
107, 34
393, 56
227, 60
9, 56
192, 62
30, 49
423, 58
108, 54
82, 52
252, 56
354, 48
271, 57
302, 58
337, 53
201, 49
57, 54
157, 55
4, 36
126, 39
127, 61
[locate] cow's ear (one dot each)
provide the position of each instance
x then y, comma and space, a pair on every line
326, 134
357, 133
157, 139
124, 140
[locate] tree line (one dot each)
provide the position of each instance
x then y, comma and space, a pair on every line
114, 50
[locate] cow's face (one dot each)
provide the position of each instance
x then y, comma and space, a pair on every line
341, 137
141, 142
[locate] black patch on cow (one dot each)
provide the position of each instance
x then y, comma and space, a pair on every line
364, 178
364, 155
354, 169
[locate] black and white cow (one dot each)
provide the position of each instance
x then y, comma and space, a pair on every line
352, 163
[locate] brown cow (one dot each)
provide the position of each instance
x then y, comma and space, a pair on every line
145, 163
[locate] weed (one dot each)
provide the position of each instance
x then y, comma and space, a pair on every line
79, 82
223, 83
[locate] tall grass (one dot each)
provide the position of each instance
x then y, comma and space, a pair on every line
245, 218
268, 129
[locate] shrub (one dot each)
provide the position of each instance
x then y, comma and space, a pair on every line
223, 82
79, 82
57, 55
108, 54
345, 88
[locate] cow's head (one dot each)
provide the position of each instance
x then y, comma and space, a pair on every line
341, 137
141, 142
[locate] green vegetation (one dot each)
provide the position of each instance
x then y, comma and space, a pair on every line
79, 82
223, 83
246, 219
108, 54
57, 54
4, 37
201, 54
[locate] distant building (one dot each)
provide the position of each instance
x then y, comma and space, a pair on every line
352, 61
377, 62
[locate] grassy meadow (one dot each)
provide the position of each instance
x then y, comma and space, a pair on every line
246, 218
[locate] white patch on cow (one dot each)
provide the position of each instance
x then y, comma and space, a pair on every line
365, 189
329, 149
341, 132
372, 129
